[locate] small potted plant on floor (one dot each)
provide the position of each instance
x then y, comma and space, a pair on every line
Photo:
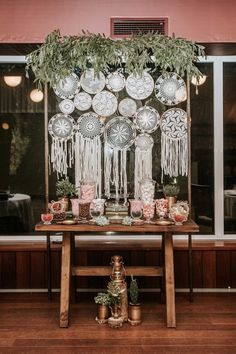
103, 301
134, 305
171, 192
64, 190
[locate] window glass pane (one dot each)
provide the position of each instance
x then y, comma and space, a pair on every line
203, 151
229, 147
21, 152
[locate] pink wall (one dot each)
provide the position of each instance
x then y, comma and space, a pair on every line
23, 21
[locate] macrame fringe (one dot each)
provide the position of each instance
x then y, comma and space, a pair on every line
62, 155
143, 168
88, 161
115, 171
174, 156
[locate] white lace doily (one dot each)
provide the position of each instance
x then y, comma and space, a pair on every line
68, 87
67, 106
174, 123
139, 87
147, 119
89, 125
170, 89
91, 82
104, 103
127, 107
144, 142
120, 133
83, 101
61, 126
115, 81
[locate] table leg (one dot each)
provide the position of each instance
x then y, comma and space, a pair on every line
65, 279
169, 281
190, 267
49, 266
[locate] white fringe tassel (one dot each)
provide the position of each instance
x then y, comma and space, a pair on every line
174, 156
115, 171
62, 155
88, 161
143, 168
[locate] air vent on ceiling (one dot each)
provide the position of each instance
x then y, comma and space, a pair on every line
125, 27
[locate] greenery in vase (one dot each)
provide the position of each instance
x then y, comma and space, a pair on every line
171, 190
64, 188
134, 291
114, 290
103, 299
59, 56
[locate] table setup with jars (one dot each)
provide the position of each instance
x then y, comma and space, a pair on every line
141, 216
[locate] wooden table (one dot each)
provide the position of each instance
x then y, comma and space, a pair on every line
67, 270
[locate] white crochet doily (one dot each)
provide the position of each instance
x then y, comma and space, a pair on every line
104, 103
170, 89
139, 87
127, 107
67, 106
174, 123
67, 87
92, 82
115, 81
61, 126
83, 101
89, 125
147, 119
120, 133
144, 142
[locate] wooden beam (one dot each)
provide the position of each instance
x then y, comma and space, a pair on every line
106, 271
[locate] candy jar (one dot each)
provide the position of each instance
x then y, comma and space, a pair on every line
88, 190
179, 212
147, 189
75, 206
135, 208
148, 210
161, 208
84, 208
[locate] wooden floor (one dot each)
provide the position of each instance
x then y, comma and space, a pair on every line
29, 324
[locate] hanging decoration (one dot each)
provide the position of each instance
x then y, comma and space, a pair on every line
170, 89
83, 101
67, 87
143, 161
115, 81
139, 87
104, 103
92, 83
147, 119
119, 135
67, 106
61, 128
127, 107
174, 142
88, 150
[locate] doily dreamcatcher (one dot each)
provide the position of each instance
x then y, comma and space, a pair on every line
147, 119
67, 87
174, 142
61, 127
119, 135
139, 87
92, 82
67, 106
88, 149
143, 161
115, 81
127, 107
170, 89
83, 101
105, 103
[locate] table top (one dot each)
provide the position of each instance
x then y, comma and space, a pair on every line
187, 227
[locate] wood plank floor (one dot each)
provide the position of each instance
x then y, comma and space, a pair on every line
29, 324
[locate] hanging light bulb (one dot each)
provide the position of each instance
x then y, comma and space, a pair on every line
198, 81
36, 95
12, 81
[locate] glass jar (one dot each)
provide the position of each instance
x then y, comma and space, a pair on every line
147, 189
179, 212
84, 209
162, 208
135, 208
87, 190
148, 211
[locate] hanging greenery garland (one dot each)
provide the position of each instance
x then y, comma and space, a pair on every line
60, 55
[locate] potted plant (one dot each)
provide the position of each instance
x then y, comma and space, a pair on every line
134, 305
103, 301
64, 190
171, 191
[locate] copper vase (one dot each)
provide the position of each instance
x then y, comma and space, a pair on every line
171, 200
135, 314
103, 313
